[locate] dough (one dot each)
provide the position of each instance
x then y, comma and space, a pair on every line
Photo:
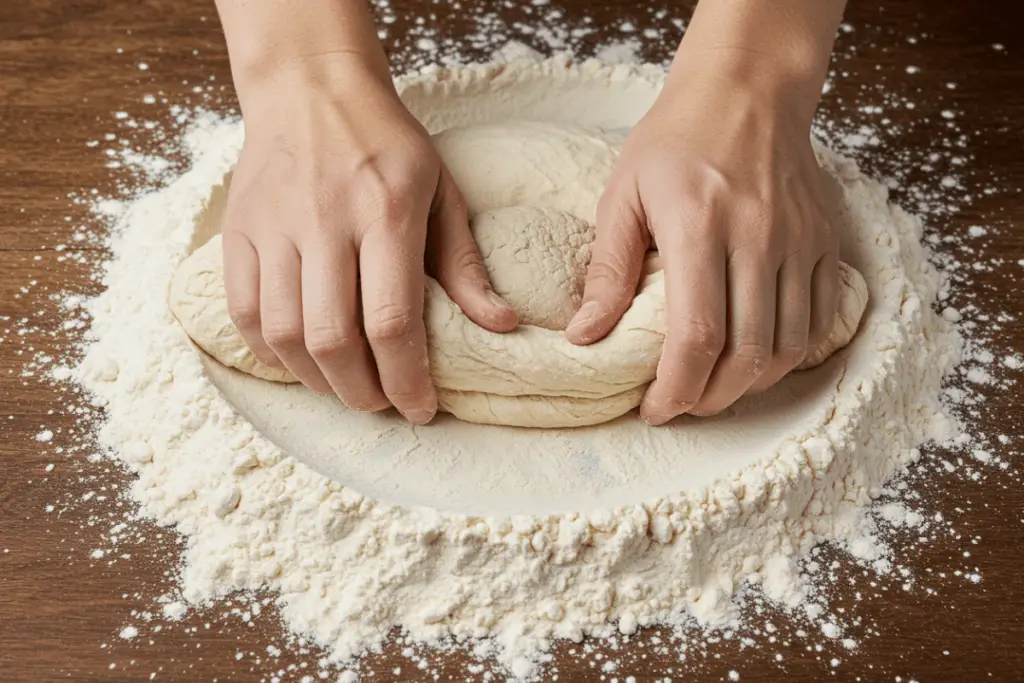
531, 191
546, 248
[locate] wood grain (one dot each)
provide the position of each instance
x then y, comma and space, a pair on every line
67, 66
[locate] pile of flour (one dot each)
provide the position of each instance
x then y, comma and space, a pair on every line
350, 561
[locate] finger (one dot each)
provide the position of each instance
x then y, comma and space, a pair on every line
457, 265
391, 267
242, 287
281, 308
824, 299
792, 322
750, 331
695, 307
615, 266
333, 334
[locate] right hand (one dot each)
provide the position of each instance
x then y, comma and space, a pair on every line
324, 234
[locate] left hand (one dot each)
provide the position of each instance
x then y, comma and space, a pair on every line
721, 178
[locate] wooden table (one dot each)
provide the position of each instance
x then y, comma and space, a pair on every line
66, 67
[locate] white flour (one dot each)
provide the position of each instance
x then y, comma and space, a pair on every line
349, 566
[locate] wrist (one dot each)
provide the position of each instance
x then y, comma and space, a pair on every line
280, 47
778, 50
723, 75
295, 100
333, 76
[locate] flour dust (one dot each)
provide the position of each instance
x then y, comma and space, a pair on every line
792, 602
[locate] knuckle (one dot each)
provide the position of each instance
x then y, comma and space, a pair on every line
464, 258
763, 239
761, 212
390, 323
372, 182
283, 337
753, 356
703, 340
379, 199
796, 255
618, 212
396, 209
609, 269
703, 233
614, 211
329, 343
244, 316
238, 214
391, 189
791, 352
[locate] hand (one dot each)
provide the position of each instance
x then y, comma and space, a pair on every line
327, 221
721, 177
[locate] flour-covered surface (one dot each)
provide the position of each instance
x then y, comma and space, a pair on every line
929, 554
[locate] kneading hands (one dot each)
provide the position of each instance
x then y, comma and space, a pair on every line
340, 204
721, 178
330, 207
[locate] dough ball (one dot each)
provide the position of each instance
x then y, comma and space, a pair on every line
531, 191
537, 261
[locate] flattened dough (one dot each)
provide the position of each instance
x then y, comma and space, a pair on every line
532, 191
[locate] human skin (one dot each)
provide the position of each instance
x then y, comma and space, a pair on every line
338, 192
335, 192
720, 176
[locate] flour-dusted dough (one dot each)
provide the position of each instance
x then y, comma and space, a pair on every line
532, 191
548, 249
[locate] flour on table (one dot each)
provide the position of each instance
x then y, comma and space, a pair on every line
350, 564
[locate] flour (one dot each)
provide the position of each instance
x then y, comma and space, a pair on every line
348, 566
934, 566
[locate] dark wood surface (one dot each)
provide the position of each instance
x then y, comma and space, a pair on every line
67, 66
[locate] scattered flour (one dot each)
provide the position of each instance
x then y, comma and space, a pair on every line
349, 567
259, 499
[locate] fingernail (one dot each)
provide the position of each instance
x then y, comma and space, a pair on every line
420, 417
655, 419
370, 405
582, 317
493, 297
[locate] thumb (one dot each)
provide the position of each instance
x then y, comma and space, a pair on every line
615, 266
456, 261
